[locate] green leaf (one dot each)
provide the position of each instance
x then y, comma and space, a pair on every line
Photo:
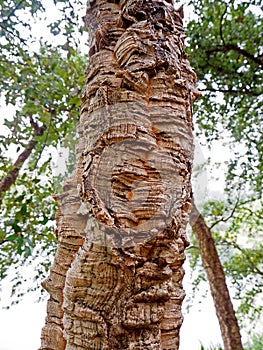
23, 210
16, 227
11, 237
45, 220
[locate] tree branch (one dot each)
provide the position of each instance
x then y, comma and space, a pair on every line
221, 25
3, 241
252, 265
13, 11
9, 179
228, 47
8, 17
222, 219
232, 91
52, 114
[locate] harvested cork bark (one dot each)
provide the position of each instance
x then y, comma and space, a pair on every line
116, 282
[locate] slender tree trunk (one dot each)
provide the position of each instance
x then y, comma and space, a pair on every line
123, 287
216, 277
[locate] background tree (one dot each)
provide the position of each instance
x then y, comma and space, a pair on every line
229, 67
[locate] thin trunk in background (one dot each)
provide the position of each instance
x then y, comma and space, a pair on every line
216, 278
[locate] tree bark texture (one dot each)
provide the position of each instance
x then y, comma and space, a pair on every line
216, 277
123, 287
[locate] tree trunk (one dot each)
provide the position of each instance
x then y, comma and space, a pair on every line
123, 289
216, 277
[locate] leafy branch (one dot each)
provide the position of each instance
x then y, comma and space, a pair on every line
3, 241
13, 11
228, 47
232, 91
221, 25
52, 114
2, 24
247, 256
225, 219
9, 179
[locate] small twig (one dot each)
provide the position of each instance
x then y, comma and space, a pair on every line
192, 247
253, 213
254, 267
234, 92
52, 113
221, 25
7, 30
227, 218
13, 11
8, 17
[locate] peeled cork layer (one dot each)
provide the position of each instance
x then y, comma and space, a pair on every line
124, 287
